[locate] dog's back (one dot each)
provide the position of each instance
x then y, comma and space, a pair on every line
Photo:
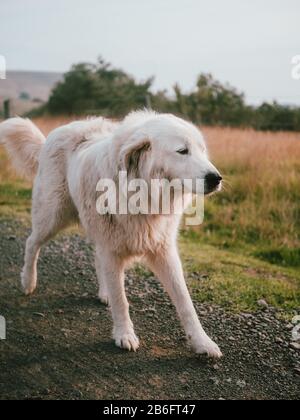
24, 142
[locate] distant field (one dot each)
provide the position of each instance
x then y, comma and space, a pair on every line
251, 233
34, 84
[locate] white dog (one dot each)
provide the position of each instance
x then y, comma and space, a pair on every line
67, 168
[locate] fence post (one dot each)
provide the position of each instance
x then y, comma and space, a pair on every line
6, 107
148, 102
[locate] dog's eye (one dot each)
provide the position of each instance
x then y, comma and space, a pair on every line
184, 151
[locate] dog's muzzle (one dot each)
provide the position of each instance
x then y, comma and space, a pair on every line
212, 182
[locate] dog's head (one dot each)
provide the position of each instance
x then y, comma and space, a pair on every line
162, 146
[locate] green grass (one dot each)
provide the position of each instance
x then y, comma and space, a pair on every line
285, 256
263, 220
235, 279
15, 199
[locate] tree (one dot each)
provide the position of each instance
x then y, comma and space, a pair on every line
211, 102
99, 88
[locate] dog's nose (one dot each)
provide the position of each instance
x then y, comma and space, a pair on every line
212, 181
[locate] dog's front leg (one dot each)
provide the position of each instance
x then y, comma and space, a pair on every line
103, 293
167, 266
112, 268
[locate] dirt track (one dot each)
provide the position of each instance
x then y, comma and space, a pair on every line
59, 342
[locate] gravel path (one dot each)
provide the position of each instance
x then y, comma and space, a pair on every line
59, 342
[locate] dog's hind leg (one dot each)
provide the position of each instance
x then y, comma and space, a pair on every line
29, 272
112, 268
50, 214
167, 266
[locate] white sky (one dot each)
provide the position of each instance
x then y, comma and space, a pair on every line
249, 43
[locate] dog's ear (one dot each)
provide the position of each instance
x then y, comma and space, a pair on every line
132, 154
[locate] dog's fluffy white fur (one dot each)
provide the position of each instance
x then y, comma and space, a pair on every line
67, 167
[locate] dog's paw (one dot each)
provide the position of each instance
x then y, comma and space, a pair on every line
28, 286
103, 298
127, 340
206, 346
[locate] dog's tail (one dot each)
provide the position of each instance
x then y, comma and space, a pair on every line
23, 142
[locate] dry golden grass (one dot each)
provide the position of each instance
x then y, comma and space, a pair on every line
261, 198
253, 148
47, 124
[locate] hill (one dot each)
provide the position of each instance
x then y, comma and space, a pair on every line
27, 89
35, 84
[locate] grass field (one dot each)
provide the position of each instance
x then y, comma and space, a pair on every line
249, 246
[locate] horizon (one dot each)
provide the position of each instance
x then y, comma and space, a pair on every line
170, 92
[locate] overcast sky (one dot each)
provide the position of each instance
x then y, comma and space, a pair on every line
249, 43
